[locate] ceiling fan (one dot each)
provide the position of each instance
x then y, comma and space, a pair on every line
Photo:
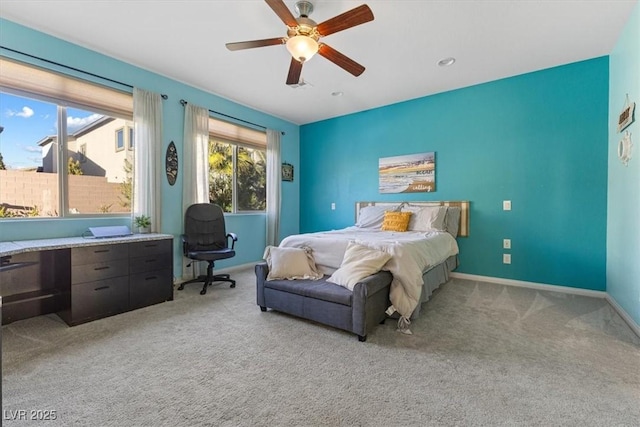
303, 35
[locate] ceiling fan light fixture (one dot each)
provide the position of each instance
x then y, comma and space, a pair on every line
302, 48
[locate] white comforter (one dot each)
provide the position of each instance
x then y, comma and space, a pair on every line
412, 253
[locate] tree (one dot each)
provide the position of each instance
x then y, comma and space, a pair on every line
251, 180
220, 174
2, 166
250, 176
73, 167
126, 186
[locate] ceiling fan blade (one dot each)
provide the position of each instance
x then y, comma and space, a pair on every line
256, 43
295, 69
283, 12
351, 18
340, 60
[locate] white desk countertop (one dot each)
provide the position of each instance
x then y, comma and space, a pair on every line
20, 246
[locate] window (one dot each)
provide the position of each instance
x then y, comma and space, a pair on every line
120, 139
237, 167
57, 145
130, 145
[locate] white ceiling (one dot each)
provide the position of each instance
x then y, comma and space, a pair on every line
185, 40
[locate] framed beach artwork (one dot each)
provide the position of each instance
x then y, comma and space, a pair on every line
412, 173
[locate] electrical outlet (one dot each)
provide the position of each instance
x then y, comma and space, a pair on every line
506, 258
506, 205
506, 243
333, 206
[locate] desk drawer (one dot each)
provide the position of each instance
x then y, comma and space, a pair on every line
150, 288
151, 247
150, 263
99, 271
102, 253
98, 299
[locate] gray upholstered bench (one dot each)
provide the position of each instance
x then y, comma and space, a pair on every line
327, 303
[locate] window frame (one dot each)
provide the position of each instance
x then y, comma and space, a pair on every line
120, 131
235, 145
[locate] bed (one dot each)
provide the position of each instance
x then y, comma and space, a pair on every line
422, 256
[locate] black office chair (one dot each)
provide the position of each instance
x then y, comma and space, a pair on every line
205, 239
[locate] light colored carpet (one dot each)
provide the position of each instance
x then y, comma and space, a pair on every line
481, 354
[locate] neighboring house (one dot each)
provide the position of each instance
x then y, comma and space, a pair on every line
101, 147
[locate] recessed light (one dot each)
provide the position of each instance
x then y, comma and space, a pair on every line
446, 62
337, 93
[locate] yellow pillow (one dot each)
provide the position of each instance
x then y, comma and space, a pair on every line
396, 221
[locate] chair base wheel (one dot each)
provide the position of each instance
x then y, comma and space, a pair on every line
362, 338
208, 281
263, 308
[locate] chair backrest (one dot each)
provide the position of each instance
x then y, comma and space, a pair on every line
204, 227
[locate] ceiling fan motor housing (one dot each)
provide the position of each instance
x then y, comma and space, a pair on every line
306, 27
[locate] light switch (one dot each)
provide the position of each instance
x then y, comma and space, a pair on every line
506, 258
506, 205
506, 243
333, 206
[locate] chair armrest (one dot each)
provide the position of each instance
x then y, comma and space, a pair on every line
183, 239
234, 239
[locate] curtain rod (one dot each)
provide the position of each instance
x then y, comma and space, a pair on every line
72, 68
183, 102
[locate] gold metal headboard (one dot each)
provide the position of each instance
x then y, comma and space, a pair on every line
464, 205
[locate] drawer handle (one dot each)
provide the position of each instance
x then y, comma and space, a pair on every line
101, 288
101, 251
106, 267
151, 278
150, 260
150, 246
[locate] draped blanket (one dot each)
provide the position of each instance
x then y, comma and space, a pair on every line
412, 253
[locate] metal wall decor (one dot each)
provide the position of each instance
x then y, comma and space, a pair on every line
287, 172
171, 163
626, 116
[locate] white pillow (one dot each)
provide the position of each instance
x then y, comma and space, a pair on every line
359, 262
426, 218
373, 216
291, 263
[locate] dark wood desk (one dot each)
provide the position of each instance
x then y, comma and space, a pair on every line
84, 279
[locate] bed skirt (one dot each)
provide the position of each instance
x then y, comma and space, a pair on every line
432, 279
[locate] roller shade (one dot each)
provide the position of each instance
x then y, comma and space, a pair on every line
238, 134
30, 80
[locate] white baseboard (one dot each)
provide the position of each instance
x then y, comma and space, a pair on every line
554, 288
539, 286
625, 316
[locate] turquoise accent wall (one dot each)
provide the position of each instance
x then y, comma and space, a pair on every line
623, 225
539, 140
249, 228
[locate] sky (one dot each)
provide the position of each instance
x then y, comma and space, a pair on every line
26, 121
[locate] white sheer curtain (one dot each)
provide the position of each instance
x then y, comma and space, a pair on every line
274, 180
147, 164
195, 165
195, 153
